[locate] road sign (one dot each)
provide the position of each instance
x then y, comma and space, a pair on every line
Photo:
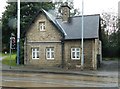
13, 43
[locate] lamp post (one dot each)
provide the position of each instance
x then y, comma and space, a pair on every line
82, 55
18, 32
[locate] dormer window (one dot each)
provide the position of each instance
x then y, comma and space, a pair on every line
41, 26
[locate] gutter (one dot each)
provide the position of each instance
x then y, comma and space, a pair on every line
62, 52
25, 50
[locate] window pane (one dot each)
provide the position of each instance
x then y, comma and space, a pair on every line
37, 54
37, 49
48, 55
52, 55
33, 54
52, 49
77, 49
33, 49
40, 27
73, 54
44, 27
73, 49
48, 49
78, 55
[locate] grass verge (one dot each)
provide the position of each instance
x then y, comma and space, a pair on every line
8, 61
3, 54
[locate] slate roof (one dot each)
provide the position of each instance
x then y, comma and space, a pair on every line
72, 29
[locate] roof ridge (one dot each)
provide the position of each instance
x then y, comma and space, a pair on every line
81, 16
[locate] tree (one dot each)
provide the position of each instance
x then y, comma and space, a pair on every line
109, 27
7, 17
118, 35
0, 35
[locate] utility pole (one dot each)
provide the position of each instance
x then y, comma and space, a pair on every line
18, 32
82, 56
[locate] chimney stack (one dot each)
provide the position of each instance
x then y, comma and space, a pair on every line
65, 11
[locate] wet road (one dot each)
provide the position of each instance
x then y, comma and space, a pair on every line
55, 80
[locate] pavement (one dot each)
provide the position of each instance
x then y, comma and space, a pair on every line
2, 58
108, 69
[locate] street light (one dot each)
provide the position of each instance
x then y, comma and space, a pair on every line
82, 56
18, 32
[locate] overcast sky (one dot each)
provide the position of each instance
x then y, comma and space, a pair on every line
98, 6
2, 6
90, 6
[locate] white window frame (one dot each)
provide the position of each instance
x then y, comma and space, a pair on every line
41, 25
75, 52
50, 53
37, 53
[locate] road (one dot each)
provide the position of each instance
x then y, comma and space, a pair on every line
15, 79
55, 80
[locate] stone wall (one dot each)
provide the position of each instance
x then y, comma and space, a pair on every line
88, 47
43, 61
98, 51
51, 33
51, 37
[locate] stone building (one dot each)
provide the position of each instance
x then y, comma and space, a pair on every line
56, 42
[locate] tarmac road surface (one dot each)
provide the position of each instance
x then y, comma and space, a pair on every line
17, 79
55, 80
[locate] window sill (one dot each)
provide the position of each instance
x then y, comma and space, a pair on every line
35, 58
75, 59
50, 58
42, 30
